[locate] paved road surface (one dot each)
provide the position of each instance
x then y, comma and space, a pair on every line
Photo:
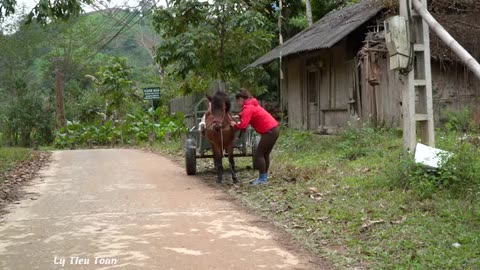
127, 209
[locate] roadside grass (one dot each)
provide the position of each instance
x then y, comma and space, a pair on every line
9, 156
355, 201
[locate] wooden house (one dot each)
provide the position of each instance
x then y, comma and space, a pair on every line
337, 71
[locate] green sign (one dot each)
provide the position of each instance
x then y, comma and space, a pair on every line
151, 93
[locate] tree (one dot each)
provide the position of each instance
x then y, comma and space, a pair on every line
115, 85
321, 7
46, 10
213, 40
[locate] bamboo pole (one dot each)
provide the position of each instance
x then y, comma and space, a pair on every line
466, 58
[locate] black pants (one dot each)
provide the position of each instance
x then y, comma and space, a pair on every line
265, 146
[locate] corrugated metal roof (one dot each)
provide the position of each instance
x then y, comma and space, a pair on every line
327, 31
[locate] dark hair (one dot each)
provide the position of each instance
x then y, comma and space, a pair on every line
243, 93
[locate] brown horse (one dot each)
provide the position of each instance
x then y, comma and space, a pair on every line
220, 133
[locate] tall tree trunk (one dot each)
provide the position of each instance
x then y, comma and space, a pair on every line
222, 45
308, 7
59, 98
222, 58
26, 142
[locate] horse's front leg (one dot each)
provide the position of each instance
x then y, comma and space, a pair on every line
231, 160
217, 158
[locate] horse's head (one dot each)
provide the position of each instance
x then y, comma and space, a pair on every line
219, 108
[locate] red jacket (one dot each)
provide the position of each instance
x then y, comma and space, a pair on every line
256, 116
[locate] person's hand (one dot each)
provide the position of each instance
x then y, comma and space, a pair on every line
233, 123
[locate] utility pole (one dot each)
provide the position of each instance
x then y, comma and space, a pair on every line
60, 108
417, 82
280, 65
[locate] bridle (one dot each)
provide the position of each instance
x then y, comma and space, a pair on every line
221, 128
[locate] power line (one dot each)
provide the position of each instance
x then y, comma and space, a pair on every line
126, 26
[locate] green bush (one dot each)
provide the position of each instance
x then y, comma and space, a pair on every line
459, 174
461, 121
358, 142
135, 129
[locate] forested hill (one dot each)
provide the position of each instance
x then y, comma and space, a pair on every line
103, 59
84, 51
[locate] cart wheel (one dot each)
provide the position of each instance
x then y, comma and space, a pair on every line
254, 152
191, 157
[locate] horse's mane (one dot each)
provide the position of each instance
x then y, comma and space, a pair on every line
218, 100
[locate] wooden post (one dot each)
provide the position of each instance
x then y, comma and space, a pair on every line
60, 108
422, 51
418, 80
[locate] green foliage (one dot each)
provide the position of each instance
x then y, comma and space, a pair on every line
24, 114
76, 134
138, 126
30, 54
45, 11
7, 7
461, 121
135, 129
459, 174
88, 107
424, 181
214, 40
115, 84
300, 22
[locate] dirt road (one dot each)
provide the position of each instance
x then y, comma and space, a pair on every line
127, 209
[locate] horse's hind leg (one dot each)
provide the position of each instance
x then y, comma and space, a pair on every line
231, 160
217, 158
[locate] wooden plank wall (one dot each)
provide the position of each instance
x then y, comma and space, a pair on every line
381, 104
294, 93
335, 88
185, 105
336, 115
389, 96
325, 86
454, 89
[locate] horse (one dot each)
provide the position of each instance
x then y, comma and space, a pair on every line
220, 133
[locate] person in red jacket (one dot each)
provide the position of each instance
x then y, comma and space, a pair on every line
264, 124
